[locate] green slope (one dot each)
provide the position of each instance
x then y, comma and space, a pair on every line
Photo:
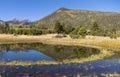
70, 17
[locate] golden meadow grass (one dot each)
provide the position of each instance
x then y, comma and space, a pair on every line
27, 63
92, 41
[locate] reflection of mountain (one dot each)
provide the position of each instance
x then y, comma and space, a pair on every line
20, 50
14, 47
57, 52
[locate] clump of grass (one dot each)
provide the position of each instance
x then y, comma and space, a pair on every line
110, 44
27, 63
99, 56
115, 74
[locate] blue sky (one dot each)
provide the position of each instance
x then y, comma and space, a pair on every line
37, 9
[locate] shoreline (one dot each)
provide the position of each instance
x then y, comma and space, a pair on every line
89, 41
102, 43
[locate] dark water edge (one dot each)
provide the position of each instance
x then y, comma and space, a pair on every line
89, 69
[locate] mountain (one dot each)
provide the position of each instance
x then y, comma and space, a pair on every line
74, 18
3, 25
2, 22
19, 22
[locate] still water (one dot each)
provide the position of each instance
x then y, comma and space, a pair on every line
26, 55
37, 51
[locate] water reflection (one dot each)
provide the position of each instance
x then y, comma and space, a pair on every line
38, 51
23, 54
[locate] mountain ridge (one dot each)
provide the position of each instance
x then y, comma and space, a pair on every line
80, 17
19, 22
73, 17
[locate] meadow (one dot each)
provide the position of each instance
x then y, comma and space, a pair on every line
90, 41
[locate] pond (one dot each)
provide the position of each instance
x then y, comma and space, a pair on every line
38, 51
57, 53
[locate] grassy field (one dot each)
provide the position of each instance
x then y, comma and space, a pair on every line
91, 41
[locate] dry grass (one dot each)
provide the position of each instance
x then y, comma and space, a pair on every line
93, 41
27, 63
111, 75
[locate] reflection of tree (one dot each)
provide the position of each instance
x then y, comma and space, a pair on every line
18, 47
4, 48
80, 52
17, 50
58, 49
58, 52
85, 51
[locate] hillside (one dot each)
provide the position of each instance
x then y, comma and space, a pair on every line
70, 17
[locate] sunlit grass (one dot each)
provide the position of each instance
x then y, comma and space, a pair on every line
91, 41
27, 63
99, 56
111, 75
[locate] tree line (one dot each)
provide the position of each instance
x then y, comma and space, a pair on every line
82, 31
74, 32
22, 30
